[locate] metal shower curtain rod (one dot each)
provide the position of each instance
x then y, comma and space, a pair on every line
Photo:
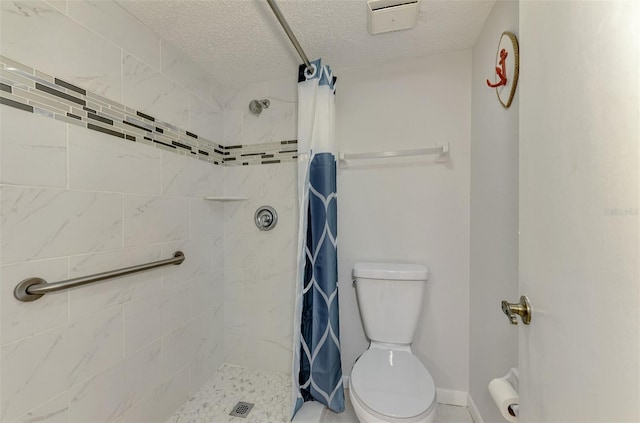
289, 31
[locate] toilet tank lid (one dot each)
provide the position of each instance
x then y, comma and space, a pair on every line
392, 271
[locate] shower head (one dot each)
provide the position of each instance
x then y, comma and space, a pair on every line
256, 106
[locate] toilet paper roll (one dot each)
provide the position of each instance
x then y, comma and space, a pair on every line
504, 395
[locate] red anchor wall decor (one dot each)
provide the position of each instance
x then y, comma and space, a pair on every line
501, 71
507, 69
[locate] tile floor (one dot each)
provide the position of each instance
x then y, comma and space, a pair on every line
270, 392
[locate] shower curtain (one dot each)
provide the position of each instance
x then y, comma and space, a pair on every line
317, 370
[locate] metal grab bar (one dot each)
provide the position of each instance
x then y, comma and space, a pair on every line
33, 288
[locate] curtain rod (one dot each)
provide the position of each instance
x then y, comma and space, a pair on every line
289, 31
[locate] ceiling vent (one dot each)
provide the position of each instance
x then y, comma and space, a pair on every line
391, 15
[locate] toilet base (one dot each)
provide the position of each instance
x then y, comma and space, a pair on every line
367, 415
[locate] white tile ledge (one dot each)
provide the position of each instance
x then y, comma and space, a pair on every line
225, 199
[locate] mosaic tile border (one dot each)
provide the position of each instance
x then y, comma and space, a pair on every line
33, 91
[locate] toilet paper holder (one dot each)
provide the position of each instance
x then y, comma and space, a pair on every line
504, 391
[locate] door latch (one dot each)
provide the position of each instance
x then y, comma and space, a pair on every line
523, 309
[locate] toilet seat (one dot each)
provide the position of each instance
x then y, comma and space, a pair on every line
394, 384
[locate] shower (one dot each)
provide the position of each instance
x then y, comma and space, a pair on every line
256, 106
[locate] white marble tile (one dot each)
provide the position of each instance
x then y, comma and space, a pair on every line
261, 182
179, 347
102, 398
185, 177
147, 319
75, 54
218, 94
241, 248
23, 319
197, 341
283, 89
284, 117
142, 322
240, 99
42, 223
162, 402
178, 67
273, 355
238, 335
61, 5
279, 246
217, 188
234, 300
197, 261
269, 391
33, 149
96, 297
143, 372
100, 162
110, 20
217, 254
174, 309
148, 91
205, 120
271, 251
257, 129
207, 219
149, 220
206, 292
42, 366
233, 127
235, 347
55, 410
210, 356
270, 308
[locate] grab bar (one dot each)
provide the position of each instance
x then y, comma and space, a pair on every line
33, 288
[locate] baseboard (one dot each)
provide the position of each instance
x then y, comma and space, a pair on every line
345, 381
310, 412
473, 409
451, 397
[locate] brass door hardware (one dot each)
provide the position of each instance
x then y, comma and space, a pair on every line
523, 309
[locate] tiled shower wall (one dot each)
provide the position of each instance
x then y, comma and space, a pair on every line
75, 202
260, 266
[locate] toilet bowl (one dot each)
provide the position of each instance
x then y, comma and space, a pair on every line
389, 384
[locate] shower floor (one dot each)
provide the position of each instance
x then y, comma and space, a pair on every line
271, 394
269, 391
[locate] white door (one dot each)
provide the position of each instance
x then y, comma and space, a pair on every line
579, 231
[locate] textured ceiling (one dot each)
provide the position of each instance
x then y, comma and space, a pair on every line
240, 41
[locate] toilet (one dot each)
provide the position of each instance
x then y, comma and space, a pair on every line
389, 384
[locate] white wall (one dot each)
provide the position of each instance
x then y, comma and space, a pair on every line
260, 267
81, 202
493, 342
409, 210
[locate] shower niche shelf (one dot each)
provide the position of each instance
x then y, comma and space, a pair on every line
225, 198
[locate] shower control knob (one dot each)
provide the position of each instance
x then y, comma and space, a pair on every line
266, 218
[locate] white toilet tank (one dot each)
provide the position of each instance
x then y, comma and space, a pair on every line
390, 299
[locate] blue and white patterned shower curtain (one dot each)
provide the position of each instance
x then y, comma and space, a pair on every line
317, 370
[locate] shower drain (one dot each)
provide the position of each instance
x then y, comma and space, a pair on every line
241, 409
